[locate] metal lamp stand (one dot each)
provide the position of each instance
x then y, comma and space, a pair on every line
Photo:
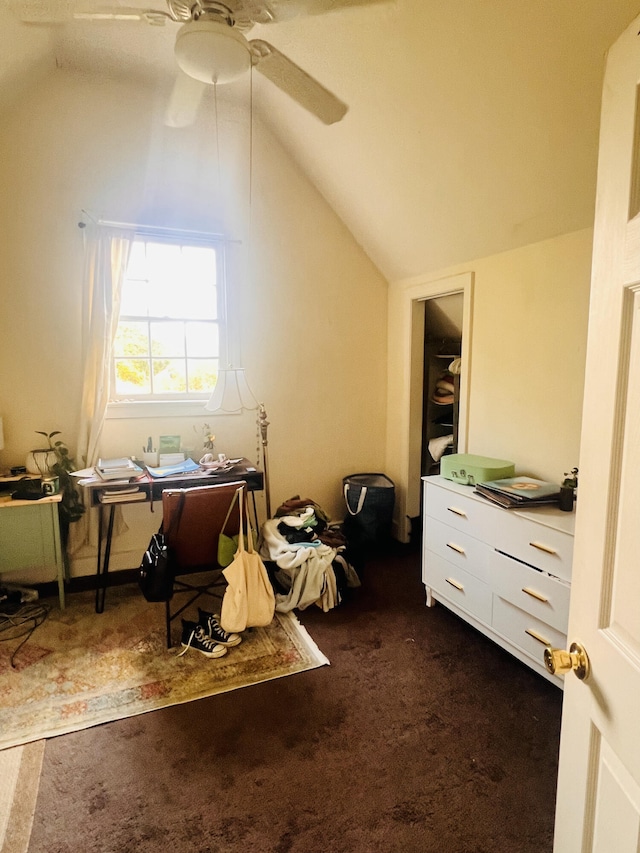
263, 424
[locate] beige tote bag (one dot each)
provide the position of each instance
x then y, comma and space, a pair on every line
249, 600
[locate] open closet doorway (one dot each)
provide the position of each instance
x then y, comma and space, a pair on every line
440, 318
441, 381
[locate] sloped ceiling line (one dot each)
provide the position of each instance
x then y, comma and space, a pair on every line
472, 127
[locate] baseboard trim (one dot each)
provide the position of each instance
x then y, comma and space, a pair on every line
87, 582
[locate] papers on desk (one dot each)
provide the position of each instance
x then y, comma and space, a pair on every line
118, 469
90, 477
88, 474
124, 495
186, 467
111, 464
219, 467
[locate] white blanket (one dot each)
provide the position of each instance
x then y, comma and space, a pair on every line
306, 571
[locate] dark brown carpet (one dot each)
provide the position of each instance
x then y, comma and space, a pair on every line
421, 737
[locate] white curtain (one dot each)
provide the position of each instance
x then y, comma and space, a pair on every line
106, 256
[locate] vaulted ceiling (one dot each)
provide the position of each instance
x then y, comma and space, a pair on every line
472, 125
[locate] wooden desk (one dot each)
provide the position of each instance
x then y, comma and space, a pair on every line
30, 537
153, 488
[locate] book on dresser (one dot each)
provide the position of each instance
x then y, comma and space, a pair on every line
519, 492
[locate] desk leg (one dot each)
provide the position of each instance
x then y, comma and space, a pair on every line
102, 567
255, 513
60, 555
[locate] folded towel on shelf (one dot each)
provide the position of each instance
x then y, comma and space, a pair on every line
438, 446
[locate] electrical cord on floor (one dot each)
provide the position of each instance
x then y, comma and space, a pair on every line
20, 620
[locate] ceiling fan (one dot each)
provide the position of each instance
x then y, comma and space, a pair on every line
211, 48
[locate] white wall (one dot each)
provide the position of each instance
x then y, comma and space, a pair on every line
313, 310
528, 330
530, 334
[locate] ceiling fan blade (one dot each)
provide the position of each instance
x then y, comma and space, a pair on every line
299, 85
184, 101
122, 13
274, 11
62, 11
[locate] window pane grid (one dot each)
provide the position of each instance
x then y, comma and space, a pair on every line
152, 377
167, 344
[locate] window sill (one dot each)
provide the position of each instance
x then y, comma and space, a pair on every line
158, 409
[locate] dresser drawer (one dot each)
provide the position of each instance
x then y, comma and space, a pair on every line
457, 586
532, 591
458, 548
460, 511
543, 547
524, 630
506, 571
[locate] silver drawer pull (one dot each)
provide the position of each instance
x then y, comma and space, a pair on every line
459, 512
546, 548
455, 584
457, 548
542, 640
535, 594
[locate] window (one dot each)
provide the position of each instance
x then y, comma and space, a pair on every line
168, 340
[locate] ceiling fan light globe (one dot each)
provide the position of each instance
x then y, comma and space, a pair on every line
212, 52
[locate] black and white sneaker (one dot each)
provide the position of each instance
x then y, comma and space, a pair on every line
195, 637
211, 626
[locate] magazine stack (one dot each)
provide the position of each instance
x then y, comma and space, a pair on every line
118, 469
519, 492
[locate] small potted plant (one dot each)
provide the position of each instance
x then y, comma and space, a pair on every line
40, 460
208, 459
568, 490
56, 461
208, 442
209, 438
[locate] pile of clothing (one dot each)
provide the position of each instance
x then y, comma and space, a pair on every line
309, 557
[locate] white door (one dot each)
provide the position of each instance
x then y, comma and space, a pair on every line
598, 807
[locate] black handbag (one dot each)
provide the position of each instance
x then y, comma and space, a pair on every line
157, 569
155, 575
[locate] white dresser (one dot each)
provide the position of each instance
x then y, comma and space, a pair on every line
506, 572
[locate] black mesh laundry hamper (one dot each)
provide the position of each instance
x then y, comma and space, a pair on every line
370, 499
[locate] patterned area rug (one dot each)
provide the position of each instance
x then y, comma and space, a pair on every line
80, 668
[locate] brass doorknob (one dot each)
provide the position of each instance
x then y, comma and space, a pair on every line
559, 661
